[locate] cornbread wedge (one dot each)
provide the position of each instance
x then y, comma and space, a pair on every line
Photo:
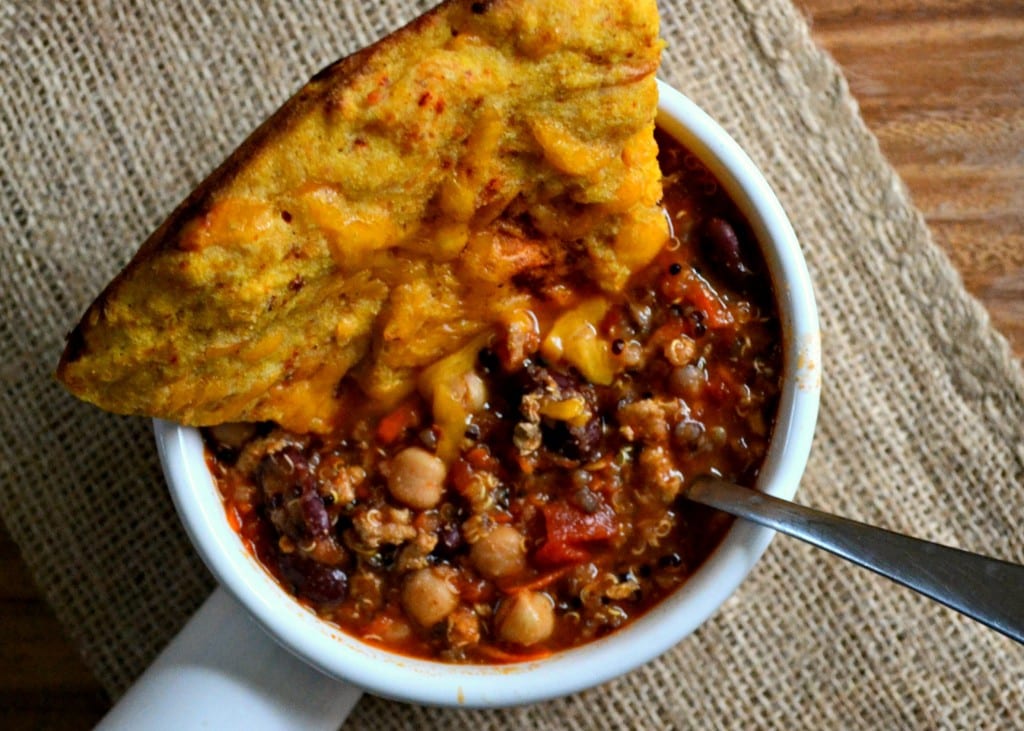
406, 201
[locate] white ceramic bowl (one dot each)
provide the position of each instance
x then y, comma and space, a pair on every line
342, 656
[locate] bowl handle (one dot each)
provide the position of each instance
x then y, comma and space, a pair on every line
223, 671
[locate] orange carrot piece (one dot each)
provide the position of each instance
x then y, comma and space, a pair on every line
392, 426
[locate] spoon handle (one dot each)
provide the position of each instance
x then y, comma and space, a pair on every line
986, 589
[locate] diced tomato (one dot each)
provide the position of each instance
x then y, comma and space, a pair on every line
475, 589
701, 296
480, 458
666, 333
722, 384
553, 553
461, 475
378, 626
569, 531
691, 288
394, 425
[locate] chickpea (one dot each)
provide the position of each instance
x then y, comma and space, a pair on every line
427, 597
416, 478
502, 552
525, 618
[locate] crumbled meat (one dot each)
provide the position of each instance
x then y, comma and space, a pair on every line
479, 489
660, 473
379, 526
368, 586
339, 479
416, 554
650, 420
529, 407
463, 628
526, 437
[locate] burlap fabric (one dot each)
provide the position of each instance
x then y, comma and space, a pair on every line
111, 112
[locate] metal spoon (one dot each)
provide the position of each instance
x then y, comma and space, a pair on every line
986, 589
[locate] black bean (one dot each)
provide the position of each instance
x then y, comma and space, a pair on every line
670, 560
698, 321
449, 540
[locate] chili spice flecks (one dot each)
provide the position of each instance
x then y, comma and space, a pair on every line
535, 506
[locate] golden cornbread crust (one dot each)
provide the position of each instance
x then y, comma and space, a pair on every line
406, 200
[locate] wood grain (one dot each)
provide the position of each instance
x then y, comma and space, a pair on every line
43, 682
940, 82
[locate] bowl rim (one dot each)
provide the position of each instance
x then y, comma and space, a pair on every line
327, 648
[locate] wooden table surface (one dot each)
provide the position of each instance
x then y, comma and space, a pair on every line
940, 82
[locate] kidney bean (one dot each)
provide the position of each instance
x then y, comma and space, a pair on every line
722, 247
296, 508
314, 512
449, 540
314, 581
